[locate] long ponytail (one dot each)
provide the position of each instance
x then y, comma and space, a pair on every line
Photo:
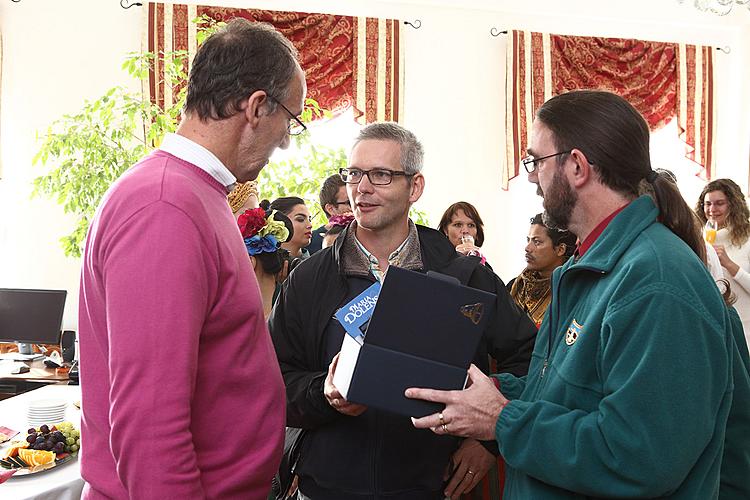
677, 215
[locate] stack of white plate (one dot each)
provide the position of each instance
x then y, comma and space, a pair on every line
46, 411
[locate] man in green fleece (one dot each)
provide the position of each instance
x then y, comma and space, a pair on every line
631, 380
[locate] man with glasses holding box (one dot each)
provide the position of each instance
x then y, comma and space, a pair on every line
631, 383
350, 451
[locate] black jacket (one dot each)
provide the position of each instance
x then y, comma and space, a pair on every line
376, 452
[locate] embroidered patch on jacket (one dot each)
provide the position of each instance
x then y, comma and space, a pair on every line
474, 312
574, 330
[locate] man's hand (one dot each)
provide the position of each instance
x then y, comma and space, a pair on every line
283, 272
726, 262
471, 412
470, 464
335, 398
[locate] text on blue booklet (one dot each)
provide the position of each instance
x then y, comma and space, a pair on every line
355, 315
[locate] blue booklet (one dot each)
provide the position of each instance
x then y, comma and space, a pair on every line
355, 315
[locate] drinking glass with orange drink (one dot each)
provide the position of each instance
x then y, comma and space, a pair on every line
709, 232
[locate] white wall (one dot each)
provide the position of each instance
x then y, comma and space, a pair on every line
56, 54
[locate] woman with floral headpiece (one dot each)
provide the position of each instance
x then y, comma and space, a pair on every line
297, 211
264, 232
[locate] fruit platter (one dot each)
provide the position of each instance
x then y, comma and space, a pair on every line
44, 448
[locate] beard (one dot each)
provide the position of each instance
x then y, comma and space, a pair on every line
559, 202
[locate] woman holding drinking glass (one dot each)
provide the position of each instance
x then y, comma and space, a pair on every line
722, 207
463, 226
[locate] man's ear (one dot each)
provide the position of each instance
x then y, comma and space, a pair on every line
583, 172
416, 188
255, 107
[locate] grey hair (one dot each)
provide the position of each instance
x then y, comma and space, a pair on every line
236, 61
412, 153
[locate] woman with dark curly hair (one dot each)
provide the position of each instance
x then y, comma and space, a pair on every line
546, 249
722, 201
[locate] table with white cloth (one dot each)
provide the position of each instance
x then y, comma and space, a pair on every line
60, 483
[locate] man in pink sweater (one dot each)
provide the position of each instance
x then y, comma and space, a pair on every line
182, 394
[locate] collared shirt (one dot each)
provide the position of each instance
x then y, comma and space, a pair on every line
598, 230
394, 259
192, 152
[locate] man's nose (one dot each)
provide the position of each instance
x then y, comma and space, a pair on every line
365, 186
533, 177
285, 141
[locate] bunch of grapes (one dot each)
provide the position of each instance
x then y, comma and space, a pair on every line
72, 437
61, 438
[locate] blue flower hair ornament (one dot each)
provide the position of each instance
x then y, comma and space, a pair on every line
263, 232
260, 244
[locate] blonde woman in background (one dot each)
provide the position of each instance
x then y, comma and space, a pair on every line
243, 197
722, 200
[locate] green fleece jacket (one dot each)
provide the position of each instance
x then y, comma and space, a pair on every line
735, 465
631, 381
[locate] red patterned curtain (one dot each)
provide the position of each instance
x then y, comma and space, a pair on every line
661, 80
641, 72
348, 61
695, 106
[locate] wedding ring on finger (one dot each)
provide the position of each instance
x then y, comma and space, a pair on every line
470, 472
445, 428
442, 420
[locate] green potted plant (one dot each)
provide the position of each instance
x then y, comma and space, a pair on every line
90, 149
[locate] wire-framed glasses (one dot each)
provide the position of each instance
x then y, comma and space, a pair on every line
531, 164
295, 125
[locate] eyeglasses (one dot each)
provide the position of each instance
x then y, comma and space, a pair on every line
295, 125
376, 176
531, 164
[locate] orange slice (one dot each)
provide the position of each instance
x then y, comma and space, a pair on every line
14, 447
36, 457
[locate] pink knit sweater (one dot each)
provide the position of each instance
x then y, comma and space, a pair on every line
182, 393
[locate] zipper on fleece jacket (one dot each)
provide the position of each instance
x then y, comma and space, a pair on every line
554, 320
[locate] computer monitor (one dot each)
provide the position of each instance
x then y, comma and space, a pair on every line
31, 316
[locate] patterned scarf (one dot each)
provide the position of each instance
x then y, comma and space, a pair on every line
533, 293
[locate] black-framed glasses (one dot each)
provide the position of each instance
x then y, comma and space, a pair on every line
295, 125
531, 164
376, 176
